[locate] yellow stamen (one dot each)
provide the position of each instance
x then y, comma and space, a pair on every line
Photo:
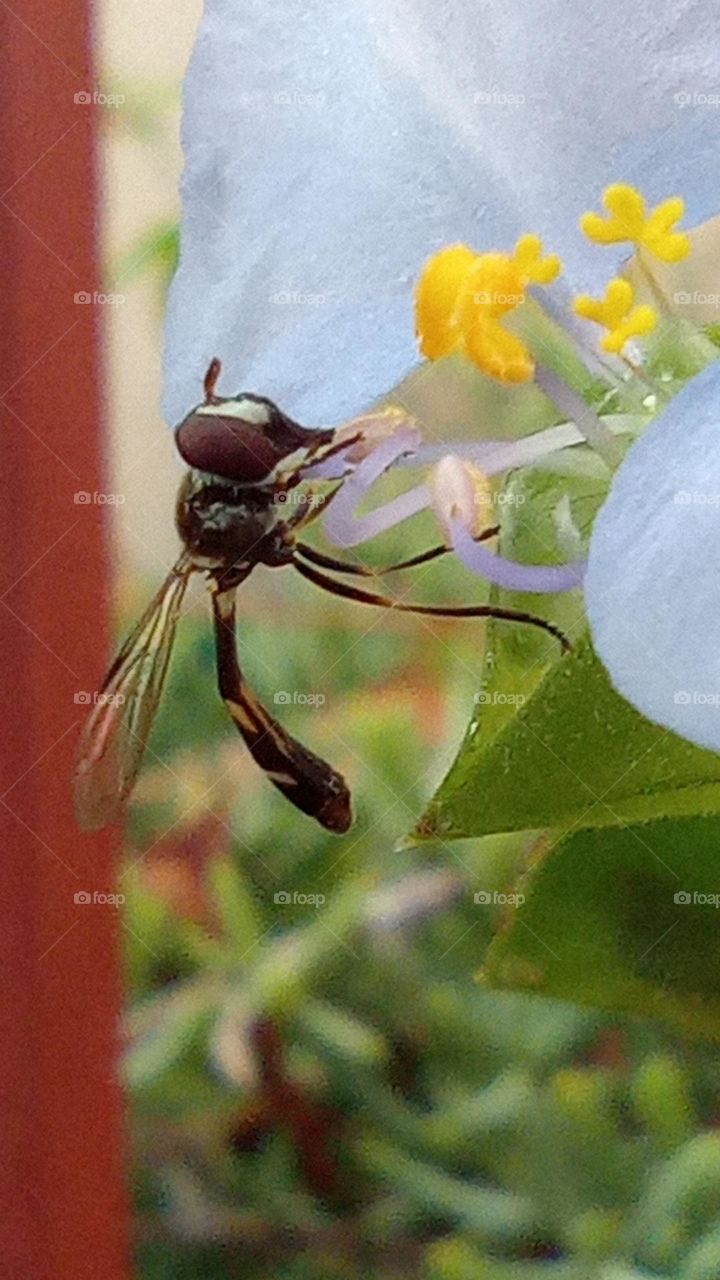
532, 265
500, 354
616, 313
461, 297
436, 298
628, 220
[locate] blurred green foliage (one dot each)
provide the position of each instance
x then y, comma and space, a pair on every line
154, 253
323, 1090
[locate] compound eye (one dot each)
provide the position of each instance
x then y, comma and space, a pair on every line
228, 438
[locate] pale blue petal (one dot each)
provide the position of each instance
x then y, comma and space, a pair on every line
681, 156
331, 148
653, 579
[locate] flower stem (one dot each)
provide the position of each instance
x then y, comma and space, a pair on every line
574, 408
658, 294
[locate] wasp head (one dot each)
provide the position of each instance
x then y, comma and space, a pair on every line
243, 437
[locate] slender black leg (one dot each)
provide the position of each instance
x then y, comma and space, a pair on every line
362, 571
437, 611
307, 781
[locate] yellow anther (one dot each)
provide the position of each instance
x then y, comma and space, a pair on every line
611, 309
500, 354
661, 238
436, 300
616, 313
461, 297
628, 220
531, 264
493, 287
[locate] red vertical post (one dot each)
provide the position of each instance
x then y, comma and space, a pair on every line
62, 1203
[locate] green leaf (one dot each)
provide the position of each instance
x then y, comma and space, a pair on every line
677, 351
602, 924
550, 742
518, 657
575, 754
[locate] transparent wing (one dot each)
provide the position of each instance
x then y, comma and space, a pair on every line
114, 739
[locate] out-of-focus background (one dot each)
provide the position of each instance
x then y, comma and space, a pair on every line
319, 1086
143, 51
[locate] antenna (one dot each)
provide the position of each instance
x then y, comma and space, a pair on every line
211, 377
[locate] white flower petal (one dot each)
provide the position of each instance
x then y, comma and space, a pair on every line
331, 148
653, 582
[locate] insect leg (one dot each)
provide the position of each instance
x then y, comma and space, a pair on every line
361, 570
307, 781
437, 611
